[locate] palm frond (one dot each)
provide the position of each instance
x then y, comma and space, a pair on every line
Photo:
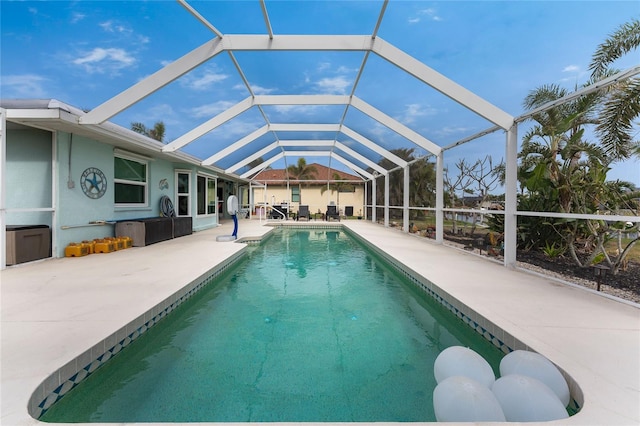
625, 39
620, 109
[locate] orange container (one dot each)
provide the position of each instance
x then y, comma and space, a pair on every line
76, 250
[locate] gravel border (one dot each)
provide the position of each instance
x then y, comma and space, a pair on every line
623, 294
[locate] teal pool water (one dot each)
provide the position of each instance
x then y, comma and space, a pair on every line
309, 326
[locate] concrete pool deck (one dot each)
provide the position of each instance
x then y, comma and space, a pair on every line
54, 310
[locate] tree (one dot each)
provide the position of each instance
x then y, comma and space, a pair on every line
562, 172
301, 172
337, 186
421, 181
157, 132
555, 140
622, 105
255, 163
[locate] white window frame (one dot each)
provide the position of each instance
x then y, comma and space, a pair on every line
144, 184
178, 194
207, 201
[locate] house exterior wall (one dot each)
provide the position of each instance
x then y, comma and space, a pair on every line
37, 180
312, 196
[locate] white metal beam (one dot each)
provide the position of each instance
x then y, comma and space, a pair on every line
395, 125
236, 145
440, 198
510, 200
154, 82
351, 165
209, 125
301, 100
307, 153
373, 146
252, 157
361, 158
262, 166
265, 15
297, 127
239, 42
200, 17
309, 143
3, 187
442, 84
405, 200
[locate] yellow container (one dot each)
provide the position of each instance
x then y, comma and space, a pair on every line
103, 246
127, 242
90, 245
76, 250
117, 243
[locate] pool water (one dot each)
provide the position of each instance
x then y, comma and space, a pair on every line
310, 326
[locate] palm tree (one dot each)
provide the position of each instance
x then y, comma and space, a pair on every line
301, 172
337, 186
555, 145
622, 105
157, 132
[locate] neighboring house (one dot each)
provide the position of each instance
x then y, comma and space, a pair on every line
277, 191
78, 180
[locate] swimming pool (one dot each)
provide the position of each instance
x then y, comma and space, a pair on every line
309, 326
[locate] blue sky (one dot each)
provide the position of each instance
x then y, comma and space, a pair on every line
85, 52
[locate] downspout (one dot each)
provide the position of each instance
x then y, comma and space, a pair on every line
511, 198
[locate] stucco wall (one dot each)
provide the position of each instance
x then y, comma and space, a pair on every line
31, 174
313, 197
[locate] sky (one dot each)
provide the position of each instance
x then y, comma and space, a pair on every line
83, 53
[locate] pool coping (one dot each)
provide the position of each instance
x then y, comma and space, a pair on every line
378, 238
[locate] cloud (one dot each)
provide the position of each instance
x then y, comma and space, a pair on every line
430, 14
345, 70
24, 86
211, 110
413, 111
203, 80
77, 17
259, 90
335, 85
447, 130
571, 68
113, 27
103, 61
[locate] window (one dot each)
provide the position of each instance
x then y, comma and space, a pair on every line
183, 193
130, 183
206, 195
295, 194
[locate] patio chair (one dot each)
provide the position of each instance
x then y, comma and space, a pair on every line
303, 212
332, 212
278, 212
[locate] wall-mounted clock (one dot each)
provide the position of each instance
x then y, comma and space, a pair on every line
93, 183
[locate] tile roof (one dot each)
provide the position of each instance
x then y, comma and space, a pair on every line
279, 175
